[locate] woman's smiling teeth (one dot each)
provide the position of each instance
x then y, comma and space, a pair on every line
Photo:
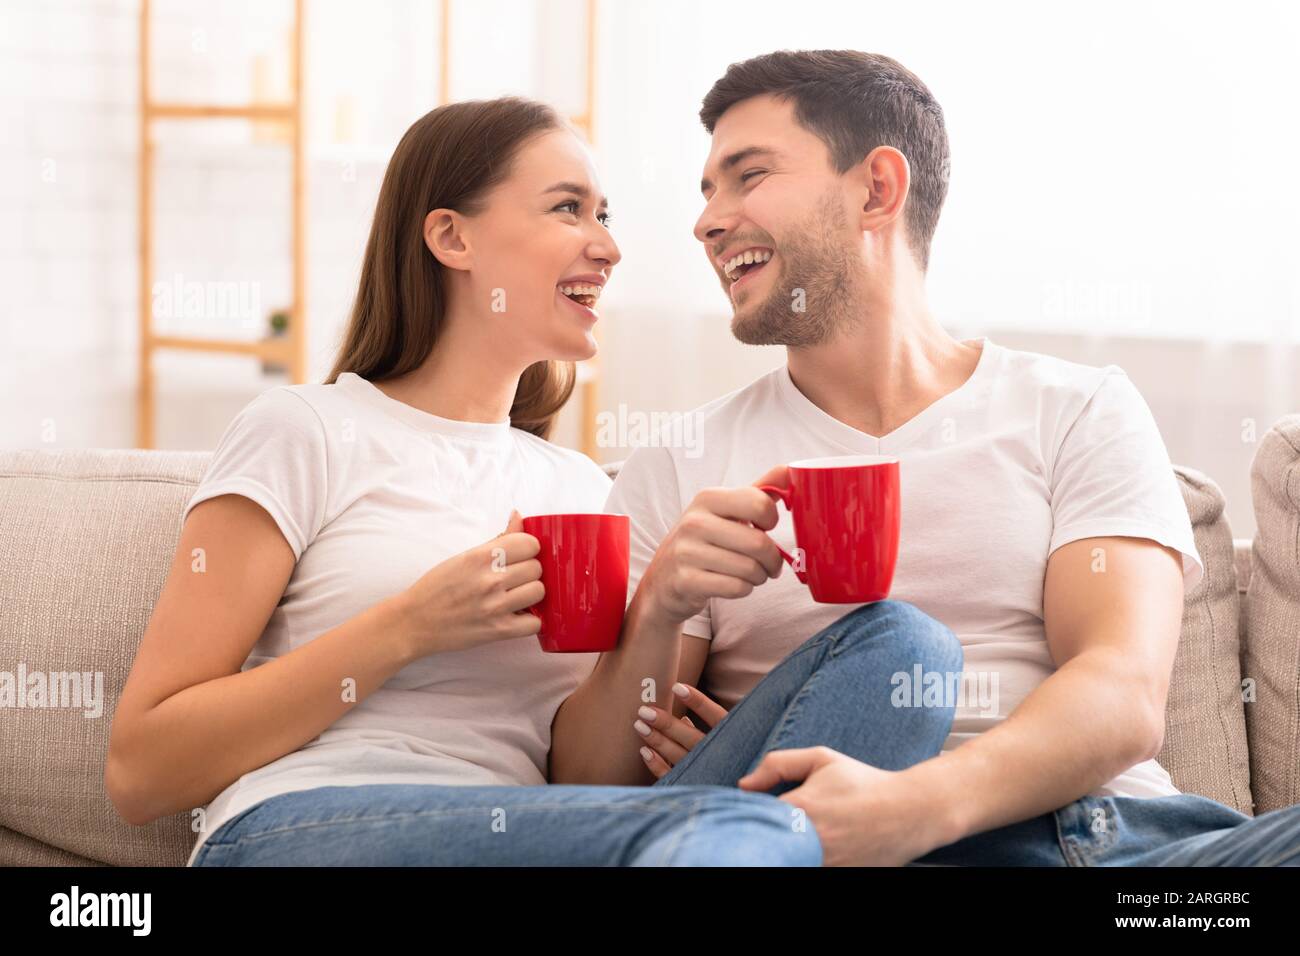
735, 266
582, 293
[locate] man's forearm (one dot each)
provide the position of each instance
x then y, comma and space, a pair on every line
1081, 727
592, 740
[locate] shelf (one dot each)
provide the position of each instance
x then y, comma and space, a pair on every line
286, 112
289, 350
271, 349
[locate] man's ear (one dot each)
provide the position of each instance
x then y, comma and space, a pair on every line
446, 236
886, 179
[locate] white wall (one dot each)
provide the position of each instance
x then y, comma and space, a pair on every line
1121, 191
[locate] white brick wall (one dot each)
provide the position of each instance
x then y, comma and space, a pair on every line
68, 135
68, 201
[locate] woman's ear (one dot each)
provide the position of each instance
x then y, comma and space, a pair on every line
445, 236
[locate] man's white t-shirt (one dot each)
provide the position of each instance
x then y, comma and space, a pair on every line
371, 493
1030, 453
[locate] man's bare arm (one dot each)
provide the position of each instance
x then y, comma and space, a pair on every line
717, 548
1112, 608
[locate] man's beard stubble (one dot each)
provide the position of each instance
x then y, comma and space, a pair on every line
819, 263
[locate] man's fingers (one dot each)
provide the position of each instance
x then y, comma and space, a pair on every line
740, 504
785, 765
778, 475
710, 711
733, 535
709, 557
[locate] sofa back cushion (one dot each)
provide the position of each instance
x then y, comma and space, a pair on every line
1271, 658
88, 537
1205, 748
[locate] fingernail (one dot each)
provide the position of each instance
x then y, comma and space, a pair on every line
681, 691
647, 754
641, 728
647, 713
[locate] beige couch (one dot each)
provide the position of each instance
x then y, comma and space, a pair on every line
87, 537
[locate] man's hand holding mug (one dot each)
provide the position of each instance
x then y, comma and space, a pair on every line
847, 521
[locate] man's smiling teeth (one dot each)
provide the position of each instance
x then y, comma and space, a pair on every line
748, 257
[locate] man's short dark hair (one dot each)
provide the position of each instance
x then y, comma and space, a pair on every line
854, 102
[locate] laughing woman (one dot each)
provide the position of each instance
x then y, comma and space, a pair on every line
338, 671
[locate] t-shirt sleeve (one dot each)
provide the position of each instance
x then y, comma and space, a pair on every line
1113, 476
646, 490
273, 452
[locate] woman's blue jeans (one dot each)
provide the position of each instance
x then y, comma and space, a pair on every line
836, 689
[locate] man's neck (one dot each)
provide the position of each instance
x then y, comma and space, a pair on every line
884, 369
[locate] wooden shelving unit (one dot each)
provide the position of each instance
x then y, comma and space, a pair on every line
289, 350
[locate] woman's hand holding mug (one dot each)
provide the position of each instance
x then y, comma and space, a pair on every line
476, 597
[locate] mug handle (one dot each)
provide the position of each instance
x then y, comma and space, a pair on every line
783, 495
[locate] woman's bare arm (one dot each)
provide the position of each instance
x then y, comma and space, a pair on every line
189, 722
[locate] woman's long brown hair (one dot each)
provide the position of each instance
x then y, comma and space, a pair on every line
449, 159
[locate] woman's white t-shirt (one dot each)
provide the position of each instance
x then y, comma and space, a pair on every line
371, 493
1030, 453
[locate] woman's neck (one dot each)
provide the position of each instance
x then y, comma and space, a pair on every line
461, 379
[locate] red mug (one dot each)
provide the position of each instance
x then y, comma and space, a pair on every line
584, 570
847, 516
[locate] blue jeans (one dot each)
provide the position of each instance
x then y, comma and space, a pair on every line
833, 690
1182, 830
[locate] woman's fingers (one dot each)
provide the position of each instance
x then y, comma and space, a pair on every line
658, 766
665, 739
521, 624
510, 547
710, 711
682, 733
665, 734
521, 572
524, 596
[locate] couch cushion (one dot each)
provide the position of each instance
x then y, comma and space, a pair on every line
1272, 644
88, 540
1205, 749
19, 850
